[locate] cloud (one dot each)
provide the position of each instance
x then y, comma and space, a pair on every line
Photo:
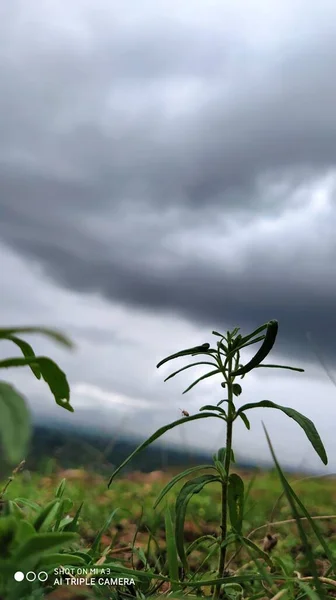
165, 173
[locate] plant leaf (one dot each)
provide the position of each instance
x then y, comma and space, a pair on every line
52, 333
290, 494
247, 542
215, 372
95, 544
253, 334
245, 420
46, 515
27, 351
264, 350
51, 373
212, 407
15, 423
66, 560
188, 367
42, 542
176, 479
72, 525
236, 388
266, 366
188, 490
190, 351
158, 434
306, 424
236, 502
172, 556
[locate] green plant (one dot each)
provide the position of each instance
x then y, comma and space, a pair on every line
226, 362
15, 426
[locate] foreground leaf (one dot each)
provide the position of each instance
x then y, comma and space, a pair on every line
15, 424
51, 373
27, 352
43, 542
52, 333
291, 501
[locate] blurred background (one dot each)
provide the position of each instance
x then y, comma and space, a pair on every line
167, 169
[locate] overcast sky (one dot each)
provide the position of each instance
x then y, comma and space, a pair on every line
167, 169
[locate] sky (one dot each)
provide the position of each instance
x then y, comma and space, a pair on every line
168, 169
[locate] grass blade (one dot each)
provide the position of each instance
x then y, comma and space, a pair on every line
290, 494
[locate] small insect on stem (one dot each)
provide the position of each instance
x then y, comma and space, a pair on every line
184, 412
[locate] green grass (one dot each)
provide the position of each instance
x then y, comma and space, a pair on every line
136, 496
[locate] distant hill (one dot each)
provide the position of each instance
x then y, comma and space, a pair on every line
73, 448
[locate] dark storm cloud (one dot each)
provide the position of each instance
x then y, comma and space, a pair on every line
209, 294
171, 119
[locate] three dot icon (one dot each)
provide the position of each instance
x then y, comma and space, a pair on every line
30, 576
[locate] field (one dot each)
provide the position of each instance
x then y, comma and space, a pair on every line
135, 537
211, 530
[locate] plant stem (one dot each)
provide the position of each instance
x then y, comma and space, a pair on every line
225, 484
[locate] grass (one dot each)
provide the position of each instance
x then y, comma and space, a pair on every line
135, 495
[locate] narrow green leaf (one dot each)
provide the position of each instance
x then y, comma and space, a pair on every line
27, 351
306, 424
29, 503
15, 423
96, 542
61, 558
239, 345
203, 348
188, 367
221, 470
178, 478
245, 420
204, 538
309, 592
291, 500
221, 454
249, 337
52, 333
8, 529
236, 502
74, 523
289, 490
189, 489
60, 489
172, 556
266, 366
25, 531
41, 543
64, 507
264, 350
221, 335
46, 515
212, 407
158, 434
222, 346
247, 542
215, 372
